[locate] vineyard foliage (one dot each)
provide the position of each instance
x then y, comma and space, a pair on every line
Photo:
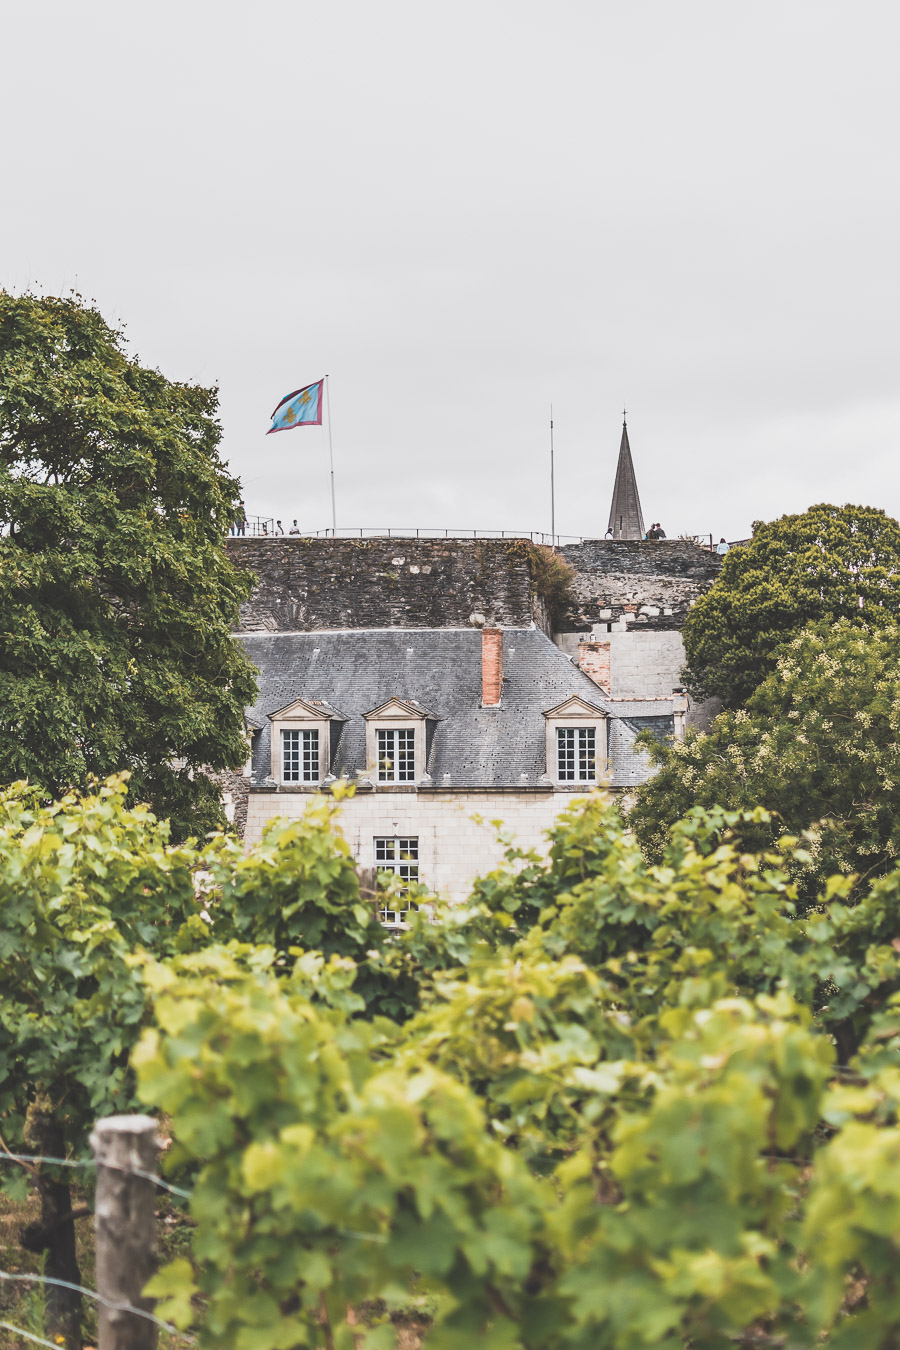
607, 1104
630, 1105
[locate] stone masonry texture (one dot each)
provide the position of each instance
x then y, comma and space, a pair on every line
457, 833
645, 664
644, 584
308, 585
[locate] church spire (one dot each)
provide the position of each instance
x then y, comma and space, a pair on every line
625, 517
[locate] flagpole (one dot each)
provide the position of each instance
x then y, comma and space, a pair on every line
330, 455
552, 487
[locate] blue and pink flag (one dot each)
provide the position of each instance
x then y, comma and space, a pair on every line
302, 408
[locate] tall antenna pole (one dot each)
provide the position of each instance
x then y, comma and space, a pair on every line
330, 455
552, 487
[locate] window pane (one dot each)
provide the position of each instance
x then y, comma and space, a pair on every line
587, 759
386, 756
310, 756
290, 756
397, 857
386, 850
396, 754
565, 753
406, 756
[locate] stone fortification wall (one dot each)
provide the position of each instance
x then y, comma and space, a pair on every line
635, 583
304, 585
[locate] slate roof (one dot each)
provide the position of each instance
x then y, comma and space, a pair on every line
440, 669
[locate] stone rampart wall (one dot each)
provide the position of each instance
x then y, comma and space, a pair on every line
305, 585
636, 583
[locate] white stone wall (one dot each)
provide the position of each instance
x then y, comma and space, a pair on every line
454, 846
644, 665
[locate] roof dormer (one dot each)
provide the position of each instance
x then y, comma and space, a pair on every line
576, 743
304, 738
396, 742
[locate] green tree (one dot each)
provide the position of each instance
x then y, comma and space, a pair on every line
116, 598
829, 563
83, 884
818, 744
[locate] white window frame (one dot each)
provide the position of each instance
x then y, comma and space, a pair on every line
578, 737
577, 714
300, 716
403, 741
396, 715
309, 744
400, 858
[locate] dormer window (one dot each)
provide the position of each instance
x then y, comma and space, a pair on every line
299, 756
576, 743
396, 755
304, 740
576, 754
396, 742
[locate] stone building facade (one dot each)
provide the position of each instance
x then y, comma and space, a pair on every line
630, 599
430, 674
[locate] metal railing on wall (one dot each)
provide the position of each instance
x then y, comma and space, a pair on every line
255, 526
266, 527
413, 532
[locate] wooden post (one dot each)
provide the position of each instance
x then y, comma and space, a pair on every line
124, 1224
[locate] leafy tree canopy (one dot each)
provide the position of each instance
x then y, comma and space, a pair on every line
831, 562
818, 744
116, 598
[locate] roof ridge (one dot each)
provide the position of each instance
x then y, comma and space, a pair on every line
338, 632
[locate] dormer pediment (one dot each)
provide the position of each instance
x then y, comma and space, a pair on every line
399, 710
307, 710
575, 706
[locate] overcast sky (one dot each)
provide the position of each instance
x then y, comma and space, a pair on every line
464, 213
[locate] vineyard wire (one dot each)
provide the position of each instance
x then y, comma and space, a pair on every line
89, 1162
9, 1276
20, 1331
92, 1293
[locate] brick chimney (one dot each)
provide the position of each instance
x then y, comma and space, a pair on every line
593, 659
491, 667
